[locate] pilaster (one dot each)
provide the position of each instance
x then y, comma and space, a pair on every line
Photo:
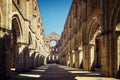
85, 57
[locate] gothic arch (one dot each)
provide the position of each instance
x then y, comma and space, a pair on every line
16, 25
52, 36
115, 16
93, 39
94, 27
16, 40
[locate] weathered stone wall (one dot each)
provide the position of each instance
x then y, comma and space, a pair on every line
22, 38
91, 37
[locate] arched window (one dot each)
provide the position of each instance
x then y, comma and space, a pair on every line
53, 43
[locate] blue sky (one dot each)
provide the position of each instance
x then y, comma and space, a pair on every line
54, 14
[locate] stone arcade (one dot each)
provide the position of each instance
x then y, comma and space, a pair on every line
22, 38
91, 37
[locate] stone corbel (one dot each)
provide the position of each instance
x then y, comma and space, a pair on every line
73, 51
92, 42
80, 48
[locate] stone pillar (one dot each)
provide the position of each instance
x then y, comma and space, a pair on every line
108, 41
108, 55
67, 60
31, 51
85, 58
5, 38
73, 55
26, 58
45, 60
81, 59
71, 59
19, 59
76, 58
4, 55
91, 56
35, 59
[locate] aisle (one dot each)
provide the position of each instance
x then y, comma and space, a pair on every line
57, 72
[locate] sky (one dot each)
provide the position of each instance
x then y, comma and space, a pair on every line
54, 14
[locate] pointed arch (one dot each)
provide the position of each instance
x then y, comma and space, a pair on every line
16, 25
94, 27
93, 37
115, 16
15, 40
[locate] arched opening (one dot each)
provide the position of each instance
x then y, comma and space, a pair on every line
14, 43
98, 52
95, 51
53, 43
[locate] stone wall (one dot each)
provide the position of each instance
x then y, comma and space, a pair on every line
22, 38
90, 40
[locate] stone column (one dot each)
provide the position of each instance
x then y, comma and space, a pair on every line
31, 51
5, 38
108, 41
76, 58
108, 55
91, 56
26, 58
45, 60
35, 59
4, 55
19, 59
67, 60
85, 57
81, 59
71, 59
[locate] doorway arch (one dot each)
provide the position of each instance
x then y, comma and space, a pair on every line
16, 37
95, 48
